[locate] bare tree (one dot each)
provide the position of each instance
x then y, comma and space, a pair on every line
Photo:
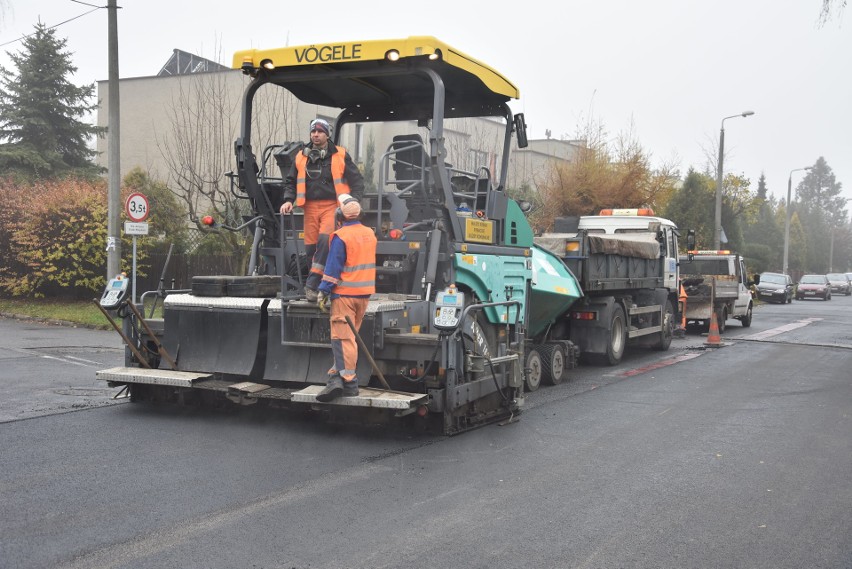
830, 8
202, 121
197, 146
4, 5
274, 118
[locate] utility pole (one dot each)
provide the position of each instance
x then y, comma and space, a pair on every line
789, 212
113, 148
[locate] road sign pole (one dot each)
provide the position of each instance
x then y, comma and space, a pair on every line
137, 209
133, 298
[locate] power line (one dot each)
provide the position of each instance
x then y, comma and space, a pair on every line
59, 24
87, 4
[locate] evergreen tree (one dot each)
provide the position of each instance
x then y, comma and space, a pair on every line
761, 187
764, 237
820, 191
42, 112
820, 208
691, 207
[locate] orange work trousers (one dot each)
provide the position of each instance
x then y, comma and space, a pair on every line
344, 346
319, 219
319, 224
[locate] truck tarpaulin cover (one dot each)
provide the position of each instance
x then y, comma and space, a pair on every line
636, 245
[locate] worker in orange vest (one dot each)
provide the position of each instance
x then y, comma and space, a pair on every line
320, 174
347, 283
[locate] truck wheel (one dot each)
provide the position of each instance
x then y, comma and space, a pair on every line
533, 371
552, 363
617, 337
722, 317
746, 320
668, 327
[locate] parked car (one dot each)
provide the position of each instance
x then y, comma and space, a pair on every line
775, 287
814, 286
840, 283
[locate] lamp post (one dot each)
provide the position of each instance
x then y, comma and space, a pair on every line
787, 222
717, 239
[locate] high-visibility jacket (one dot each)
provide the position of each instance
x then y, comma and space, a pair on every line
338, 166
358, 276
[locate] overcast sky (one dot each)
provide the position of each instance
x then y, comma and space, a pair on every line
673, 69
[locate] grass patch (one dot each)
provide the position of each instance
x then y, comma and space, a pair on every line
77, 311
82, 312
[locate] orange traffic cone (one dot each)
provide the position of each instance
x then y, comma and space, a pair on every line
713, 338
680, 329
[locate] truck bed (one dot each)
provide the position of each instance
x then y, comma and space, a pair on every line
707, 276
727, 287
610, 262
700, 295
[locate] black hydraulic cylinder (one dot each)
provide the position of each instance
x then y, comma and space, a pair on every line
434, 251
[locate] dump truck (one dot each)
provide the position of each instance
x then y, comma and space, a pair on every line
625, 261
716, 281
469, 312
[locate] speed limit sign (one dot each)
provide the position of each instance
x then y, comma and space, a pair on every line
136, 207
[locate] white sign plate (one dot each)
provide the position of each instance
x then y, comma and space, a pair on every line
131, 228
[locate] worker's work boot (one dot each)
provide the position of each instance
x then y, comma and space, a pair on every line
332, 390
350, 388
311, 294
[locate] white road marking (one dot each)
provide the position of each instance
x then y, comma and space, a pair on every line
66, 360
780, 329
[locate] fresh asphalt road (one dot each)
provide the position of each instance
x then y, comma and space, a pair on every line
48, 369
737, 456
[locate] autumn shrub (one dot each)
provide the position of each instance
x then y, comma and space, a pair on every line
602, 174
54, 236
10, 197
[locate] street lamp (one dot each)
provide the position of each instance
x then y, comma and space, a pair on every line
789, 213
717, 239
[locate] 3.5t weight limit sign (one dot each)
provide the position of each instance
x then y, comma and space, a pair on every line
136, 207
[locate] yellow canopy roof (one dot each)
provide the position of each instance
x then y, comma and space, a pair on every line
309, 71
